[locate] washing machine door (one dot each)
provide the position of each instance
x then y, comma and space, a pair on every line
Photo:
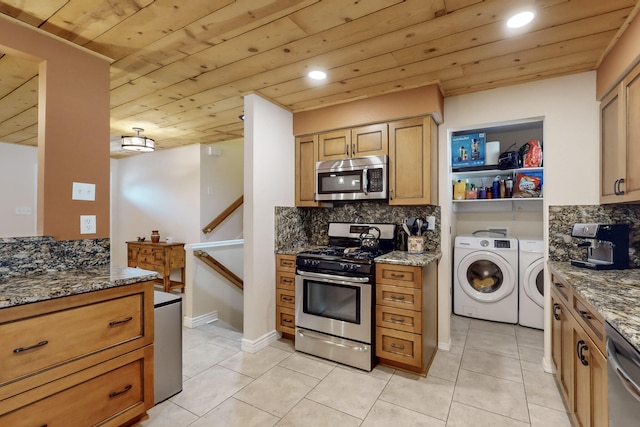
533, 277
486, 276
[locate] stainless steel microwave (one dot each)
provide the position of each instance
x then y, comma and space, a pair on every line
361, 178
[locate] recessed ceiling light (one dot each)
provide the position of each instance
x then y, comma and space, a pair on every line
520, 19
317, 75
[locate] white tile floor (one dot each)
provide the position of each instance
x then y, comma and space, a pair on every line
492, 376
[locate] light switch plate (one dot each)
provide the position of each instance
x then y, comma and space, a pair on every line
87, 224
83, 191
432, 223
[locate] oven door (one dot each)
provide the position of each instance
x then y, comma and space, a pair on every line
335, 305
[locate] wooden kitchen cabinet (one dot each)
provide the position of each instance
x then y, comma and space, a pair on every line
578, 354
306, 153
85, 359
361, 141
161, 257
406, 316
620, 141
412, 161
285, 294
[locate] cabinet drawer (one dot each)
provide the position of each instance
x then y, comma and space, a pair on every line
286, 298
89, 401
399, 275
563, 290
40, 342
285, 280
399, 346
591, 321
286, 263
399, 318
400, 297
286, 320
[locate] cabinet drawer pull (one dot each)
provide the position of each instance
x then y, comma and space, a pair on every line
399, 347
120, 322
22, 349
287, 263
287, 299
580, 347
397, 297
556, 308
118, 393
397, 319
400, 275
585, 315
287, 281
286, 320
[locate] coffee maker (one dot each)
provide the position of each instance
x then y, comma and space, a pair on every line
607, 246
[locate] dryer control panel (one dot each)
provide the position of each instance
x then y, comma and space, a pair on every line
502, 244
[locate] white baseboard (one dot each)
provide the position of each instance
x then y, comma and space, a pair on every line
194, 322
548, 367
254, 346
444, 345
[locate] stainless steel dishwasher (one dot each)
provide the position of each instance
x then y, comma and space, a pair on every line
167, 345
623, 380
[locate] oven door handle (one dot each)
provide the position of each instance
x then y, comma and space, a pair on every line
321, 337
331, 278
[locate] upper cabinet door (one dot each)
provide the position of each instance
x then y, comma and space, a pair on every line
372, 140
412, 148
334, 145
306, 157
620, 142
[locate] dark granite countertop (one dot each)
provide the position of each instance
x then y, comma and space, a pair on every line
405, 258
615, 294
55, 284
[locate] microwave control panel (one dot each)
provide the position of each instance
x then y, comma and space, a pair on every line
376, 180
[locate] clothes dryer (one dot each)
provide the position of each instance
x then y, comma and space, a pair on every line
485, 277
531, 312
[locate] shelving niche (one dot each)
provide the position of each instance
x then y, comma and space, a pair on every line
511, 136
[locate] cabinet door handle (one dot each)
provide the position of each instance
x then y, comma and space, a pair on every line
616, 187
120, 322
118, 393
23, 349
346, 147
397, 297
556, 308
580, 347
399, 347
585, 315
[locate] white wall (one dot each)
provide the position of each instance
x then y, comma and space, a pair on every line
221, 177
18, 175
155, 191
268, 182
570, 112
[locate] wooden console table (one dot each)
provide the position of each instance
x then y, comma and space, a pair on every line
161, 257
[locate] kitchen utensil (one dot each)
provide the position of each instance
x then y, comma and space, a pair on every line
369, 240
405, 227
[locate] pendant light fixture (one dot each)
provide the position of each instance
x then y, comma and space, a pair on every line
138, 142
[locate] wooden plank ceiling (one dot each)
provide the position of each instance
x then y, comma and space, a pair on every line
181, 68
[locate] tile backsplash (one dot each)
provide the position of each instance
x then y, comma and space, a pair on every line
303, 227
563, 247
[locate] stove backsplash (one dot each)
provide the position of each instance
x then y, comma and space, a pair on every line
563, 247
297, 228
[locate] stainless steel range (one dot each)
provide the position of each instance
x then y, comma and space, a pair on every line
335, 293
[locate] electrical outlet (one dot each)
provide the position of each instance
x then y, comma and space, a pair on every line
87, 224
432, 222
23, 210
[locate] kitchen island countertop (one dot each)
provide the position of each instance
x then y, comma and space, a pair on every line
55, 284
613, 293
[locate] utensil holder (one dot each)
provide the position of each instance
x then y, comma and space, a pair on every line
415, 244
